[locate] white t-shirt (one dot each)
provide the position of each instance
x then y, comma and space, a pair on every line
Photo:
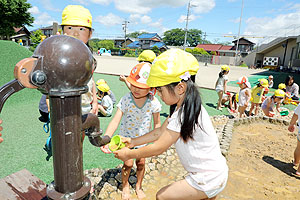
297, 112
108, 103
201, 157
243, 98
136, 121
220, 82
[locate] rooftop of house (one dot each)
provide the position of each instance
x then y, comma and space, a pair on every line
148, 36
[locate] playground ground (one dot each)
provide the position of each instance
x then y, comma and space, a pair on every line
24, 136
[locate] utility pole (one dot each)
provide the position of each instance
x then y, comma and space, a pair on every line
204, 38
125, 30
238, 39
186, 25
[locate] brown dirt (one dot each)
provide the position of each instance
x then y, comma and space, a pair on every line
260, 163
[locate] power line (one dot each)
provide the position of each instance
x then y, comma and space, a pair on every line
125, 29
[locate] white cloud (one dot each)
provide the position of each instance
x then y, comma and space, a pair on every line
34, 10
146, 19
280, 26
48, 6
101, 2
83, 2
44, 20
134, 18
132, 6
203, 6
182, 18
109, 20
145, 6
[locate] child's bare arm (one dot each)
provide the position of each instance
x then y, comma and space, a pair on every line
166, 139
293, 122
225, 86
151, 136
95, 101
156, 120
114, 123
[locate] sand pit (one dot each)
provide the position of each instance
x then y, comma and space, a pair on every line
259, 161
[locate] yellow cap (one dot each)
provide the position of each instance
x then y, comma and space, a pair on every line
102, 85
170, 65
281, 86
147, 55
264, 82
76, 15
279, 93
225, 68
100, 81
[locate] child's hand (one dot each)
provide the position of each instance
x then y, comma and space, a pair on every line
105, 149
122, 78
122, 154
291, 128
127, 141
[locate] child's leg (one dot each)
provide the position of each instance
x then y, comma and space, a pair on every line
297, 153
230, 101
140, 171
251, 108
180, 190
220, 93
266, 111
125, 176
256, 105
242, 110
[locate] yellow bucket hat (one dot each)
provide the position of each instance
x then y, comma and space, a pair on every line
77, 16
170, 65
225, 68
147, 55
102, 85
281, 86
279, 93
264, 82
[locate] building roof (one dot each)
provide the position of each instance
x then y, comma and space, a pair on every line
148, 36
134, 44
158, 45
243, 41
210, 47
226, 47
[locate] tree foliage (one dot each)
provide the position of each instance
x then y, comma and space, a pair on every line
135, 34
197, 51
35, 38
175, 37
97, 44
14, 13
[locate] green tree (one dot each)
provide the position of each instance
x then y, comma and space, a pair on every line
175, 37
135, 34
156, 50
35, 38
107, 44
13, 13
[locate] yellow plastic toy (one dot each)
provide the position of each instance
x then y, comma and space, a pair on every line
116, 143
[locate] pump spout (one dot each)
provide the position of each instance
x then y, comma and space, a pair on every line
91, 125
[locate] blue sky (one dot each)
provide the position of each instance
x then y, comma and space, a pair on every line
262, 20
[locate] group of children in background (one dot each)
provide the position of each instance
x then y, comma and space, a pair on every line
256, 95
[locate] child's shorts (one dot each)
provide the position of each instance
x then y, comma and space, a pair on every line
209, 193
